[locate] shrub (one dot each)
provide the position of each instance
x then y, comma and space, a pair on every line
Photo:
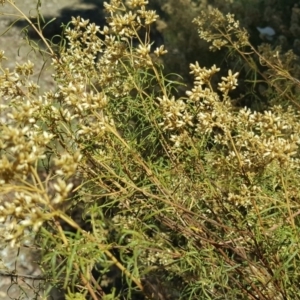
178, 198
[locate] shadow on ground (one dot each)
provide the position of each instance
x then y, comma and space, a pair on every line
53, 24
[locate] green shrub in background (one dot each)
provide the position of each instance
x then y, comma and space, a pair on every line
194, 197
184, 47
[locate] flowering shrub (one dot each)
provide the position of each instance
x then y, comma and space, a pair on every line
191, 197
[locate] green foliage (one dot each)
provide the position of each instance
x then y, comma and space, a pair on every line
192, 197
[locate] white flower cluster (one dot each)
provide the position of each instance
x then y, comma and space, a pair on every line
174, 114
